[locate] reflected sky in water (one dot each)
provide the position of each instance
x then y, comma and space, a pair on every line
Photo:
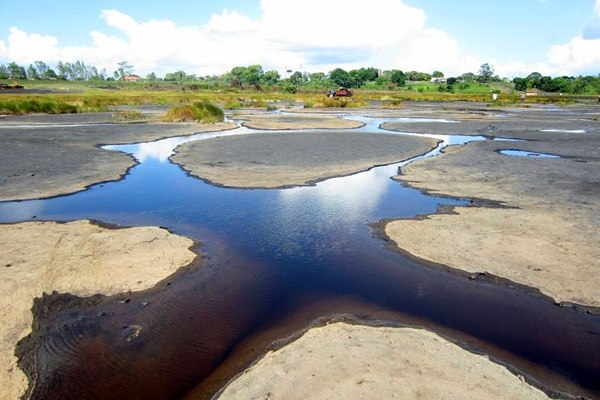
316, 239
303, 223
526, 153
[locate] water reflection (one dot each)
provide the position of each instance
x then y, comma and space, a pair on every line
256, 222
282, 246
162, 149
21, 210
526, 153
160, 193
565, 130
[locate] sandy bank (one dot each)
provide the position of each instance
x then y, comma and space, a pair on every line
80, 258
342, 361
45, 156
285, 159
297, 121
547, 238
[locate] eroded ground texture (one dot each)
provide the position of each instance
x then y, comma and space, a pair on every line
542, 227
535, 221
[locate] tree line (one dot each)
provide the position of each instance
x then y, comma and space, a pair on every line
70, 71
254, 77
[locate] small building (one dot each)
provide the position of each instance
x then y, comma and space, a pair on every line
438, 79
532, 92
131, 78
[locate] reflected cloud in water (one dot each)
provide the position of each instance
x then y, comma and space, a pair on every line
353, 196
161, 150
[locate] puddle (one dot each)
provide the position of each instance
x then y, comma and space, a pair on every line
525, 153
566, 130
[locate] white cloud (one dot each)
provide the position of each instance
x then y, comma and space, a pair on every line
313, 35
577, 56
386, 34
22, 46
336, 24
518, 68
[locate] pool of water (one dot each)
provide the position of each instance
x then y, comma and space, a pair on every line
526, 153
272, 251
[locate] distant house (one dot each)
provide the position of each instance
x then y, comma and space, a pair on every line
131, 78
438, 80
532, 92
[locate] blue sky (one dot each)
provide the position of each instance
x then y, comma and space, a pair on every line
516, 37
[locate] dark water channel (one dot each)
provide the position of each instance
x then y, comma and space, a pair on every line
271, 252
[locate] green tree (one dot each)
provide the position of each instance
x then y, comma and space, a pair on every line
317, 77
468, 77
296, 78
362, 75
271, 78
4, 73
418, 76
94, 74
16, 71
520, 84
242, 77
341, 78
486, 73
437, 74
564, 84
397, 77
66, 70
235, 77
41, 69
32, 73
177, 76
252, 76
123, 70
533, 80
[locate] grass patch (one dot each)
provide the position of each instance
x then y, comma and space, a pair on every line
199, 111
35, 106
128, 116
69, 97
233, 104
393, 103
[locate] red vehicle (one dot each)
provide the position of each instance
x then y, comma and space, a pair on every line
341, 92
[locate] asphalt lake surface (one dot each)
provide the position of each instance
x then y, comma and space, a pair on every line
269, 254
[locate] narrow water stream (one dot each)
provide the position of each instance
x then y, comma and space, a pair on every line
272, 251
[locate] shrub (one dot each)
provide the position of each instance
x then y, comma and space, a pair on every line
392, 103
208, 112
233, 105
128, 116
200, 111
289, 88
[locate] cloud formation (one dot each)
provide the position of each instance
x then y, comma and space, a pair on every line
391, 35
312, 35
581, 53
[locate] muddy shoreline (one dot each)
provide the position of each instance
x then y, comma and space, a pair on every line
477, 121
80, 258
280, 160
54, 155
